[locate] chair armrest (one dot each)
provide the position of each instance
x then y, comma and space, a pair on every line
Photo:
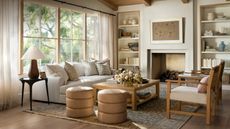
181, 81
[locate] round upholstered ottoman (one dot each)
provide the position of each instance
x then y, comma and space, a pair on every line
112, 106
79, 101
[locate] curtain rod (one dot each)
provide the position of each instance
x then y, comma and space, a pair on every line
63, 2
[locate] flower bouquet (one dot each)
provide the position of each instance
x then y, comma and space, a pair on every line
128, 78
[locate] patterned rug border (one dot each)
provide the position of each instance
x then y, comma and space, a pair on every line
74, 119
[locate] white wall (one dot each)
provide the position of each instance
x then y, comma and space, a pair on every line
165, 9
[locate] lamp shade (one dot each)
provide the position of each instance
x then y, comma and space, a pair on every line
33, 53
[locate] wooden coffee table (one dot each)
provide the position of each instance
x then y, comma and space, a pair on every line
132, 90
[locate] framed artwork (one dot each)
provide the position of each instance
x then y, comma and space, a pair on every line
167, 31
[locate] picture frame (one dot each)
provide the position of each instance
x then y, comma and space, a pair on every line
167, 31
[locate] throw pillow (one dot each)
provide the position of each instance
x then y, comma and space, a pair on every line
80, 68
60, 71
71, 71
103, 69
202, 86
90, 68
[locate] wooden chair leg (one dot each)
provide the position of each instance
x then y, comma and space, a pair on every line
208, 114
168, 105
220, 95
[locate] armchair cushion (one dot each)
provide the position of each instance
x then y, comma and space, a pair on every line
187, 94
202, 86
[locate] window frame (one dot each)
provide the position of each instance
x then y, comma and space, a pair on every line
57, 37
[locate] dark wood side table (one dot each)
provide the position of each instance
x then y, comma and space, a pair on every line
30, 82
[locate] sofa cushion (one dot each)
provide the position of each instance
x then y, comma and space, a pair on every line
80, 68
56, 69
90, 68
103, 69
84, 81
71, 71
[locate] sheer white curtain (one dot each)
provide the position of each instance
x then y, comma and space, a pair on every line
8, 53
106, 38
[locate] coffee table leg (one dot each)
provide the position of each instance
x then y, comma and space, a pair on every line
95, 96
158, 89
134, 101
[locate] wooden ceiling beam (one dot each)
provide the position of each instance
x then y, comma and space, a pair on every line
147, 2
185, 1
109, 4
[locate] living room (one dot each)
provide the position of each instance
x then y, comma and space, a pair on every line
61, 51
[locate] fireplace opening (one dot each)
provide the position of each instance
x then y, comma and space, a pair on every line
167, 65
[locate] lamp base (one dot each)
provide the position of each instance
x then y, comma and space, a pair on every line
33, 71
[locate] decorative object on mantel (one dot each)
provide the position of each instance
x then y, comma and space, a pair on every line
33, 53
128, 78
167, 31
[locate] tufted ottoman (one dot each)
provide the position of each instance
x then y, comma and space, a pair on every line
112, 106
79, 101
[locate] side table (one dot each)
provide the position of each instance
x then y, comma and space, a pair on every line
30, 82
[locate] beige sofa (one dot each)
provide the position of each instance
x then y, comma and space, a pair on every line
57, 83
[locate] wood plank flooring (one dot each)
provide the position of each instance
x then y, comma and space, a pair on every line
16, 119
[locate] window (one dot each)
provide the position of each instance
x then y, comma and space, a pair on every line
77, 39
72, 28
40, 31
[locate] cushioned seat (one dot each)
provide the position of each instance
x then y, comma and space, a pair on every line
188, 94
79, 101
112, 106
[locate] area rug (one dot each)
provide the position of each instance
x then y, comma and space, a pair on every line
150, 115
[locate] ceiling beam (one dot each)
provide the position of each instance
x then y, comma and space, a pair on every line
147, 2
109, 4
185, 1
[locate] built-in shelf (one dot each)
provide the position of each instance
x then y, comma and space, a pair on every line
215, 21
215, 52
123, 65
216, 36
124, 26
128, 38
129, 51
128, 33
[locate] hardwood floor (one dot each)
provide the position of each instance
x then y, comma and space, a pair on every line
16, 119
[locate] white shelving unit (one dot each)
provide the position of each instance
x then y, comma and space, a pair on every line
209, 43
129, 32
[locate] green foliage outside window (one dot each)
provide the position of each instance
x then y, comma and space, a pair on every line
40, 29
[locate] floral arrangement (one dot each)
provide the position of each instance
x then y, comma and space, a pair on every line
128, 78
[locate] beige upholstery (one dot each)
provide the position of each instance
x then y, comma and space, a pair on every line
112, 106
79, 101
188, 94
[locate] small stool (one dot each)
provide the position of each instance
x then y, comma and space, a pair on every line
112, 106
79, 101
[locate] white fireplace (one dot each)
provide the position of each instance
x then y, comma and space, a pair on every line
162, 60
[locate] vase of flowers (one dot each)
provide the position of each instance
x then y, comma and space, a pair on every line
128, 78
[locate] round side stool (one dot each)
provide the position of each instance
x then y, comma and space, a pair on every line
112, 106
79, 101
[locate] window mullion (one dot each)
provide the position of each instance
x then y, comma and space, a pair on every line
58, 53
85, 41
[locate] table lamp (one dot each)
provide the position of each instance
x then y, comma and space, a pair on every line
33, 53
